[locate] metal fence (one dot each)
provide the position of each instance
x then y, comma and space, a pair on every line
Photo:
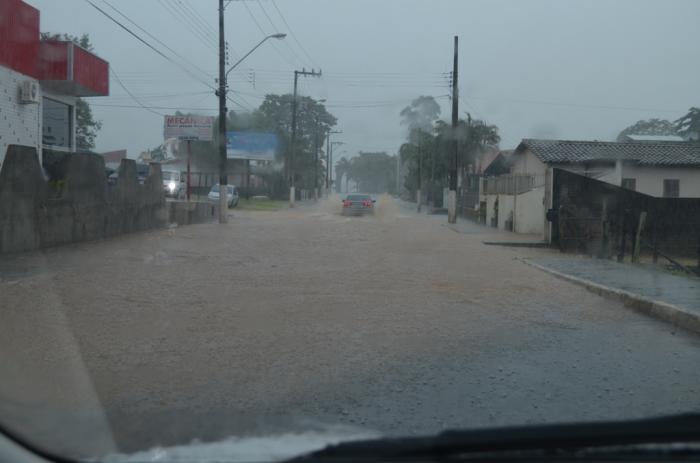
599, 218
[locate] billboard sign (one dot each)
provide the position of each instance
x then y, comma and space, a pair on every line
188, 127
251, 145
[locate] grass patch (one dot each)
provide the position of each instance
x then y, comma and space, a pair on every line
260, 204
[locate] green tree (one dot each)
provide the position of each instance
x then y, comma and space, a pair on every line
649, 127
420, 114
474, 136
86, 127
417, 154
688, 126
374, 172
426, 154
313, 124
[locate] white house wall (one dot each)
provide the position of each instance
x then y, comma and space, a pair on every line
529, 212
528, 163
650, 180
505, 210
20, 124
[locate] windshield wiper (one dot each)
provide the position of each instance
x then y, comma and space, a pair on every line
544, 438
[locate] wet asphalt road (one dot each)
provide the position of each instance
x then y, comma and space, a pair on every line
290, 320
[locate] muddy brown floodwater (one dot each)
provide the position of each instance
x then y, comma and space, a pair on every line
292, 319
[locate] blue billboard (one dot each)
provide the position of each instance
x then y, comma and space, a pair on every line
251, 145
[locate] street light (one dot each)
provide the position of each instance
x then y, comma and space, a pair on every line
223, 75
278, 36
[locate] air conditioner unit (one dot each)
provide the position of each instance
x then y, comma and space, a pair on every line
29, 92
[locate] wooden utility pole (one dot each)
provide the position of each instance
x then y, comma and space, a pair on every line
452, 196
223, 180
290, 166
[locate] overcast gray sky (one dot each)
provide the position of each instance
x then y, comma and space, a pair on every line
543, 68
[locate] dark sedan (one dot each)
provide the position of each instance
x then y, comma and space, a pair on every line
358, 204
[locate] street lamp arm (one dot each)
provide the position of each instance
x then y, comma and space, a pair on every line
273, 36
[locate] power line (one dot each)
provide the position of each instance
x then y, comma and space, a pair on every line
193, 26
140, 39
197, 18
114, 73
291, 32
274, 28
177, 15
575, 105
149, 108
265, 34
157, 40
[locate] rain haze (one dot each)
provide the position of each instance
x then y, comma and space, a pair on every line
517, 278
549, 69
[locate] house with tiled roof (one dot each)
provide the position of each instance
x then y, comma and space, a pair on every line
656, 168
518, 200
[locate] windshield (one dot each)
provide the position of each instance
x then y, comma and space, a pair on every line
437, 215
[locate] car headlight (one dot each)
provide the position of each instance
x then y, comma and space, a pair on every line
171, 186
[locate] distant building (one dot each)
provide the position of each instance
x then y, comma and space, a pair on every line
40, 81
653, 138
499, 164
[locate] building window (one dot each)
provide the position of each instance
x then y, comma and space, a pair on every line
629, 183
57, 123
672, 188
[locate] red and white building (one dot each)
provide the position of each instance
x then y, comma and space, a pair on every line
40, 81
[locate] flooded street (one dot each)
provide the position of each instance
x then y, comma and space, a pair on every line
297, 319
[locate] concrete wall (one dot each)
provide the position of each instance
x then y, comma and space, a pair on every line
34, 215
530, 212
650, 180
20, 124
184, 213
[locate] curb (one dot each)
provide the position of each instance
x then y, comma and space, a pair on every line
678, 316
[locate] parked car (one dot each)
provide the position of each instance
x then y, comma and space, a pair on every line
232, 194
174, 184
358, 204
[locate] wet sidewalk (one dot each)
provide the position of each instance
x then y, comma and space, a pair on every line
649, 283
495, 235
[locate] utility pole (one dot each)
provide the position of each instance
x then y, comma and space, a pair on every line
223, 181
398, 174
316, 147
333, 143
292, 147
329, 160
452, 195
419, 195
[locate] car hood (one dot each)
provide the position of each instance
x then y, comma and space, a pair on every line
250, 449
